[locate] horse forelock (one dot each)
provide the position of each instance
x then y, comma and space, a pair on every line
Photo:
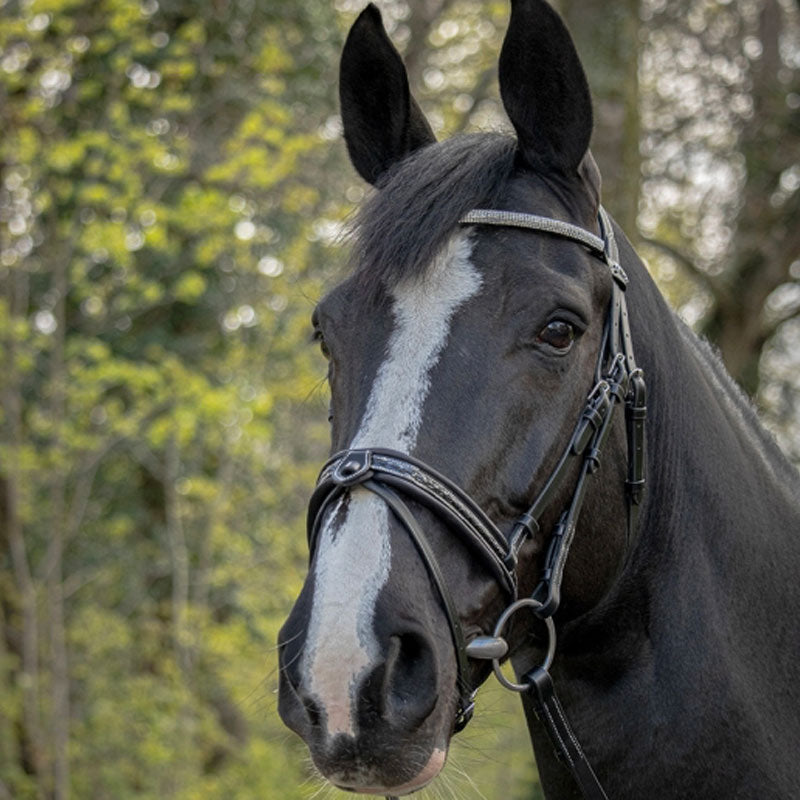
402, 228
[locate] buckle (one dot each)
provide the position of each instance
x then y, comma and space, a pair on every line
353, 467
618, 273
464, 713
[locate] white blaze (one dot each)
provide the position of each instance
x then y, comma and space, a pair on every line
352, 563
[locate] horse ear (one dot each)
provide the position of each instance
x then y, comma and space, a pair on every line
382, 121
544, 88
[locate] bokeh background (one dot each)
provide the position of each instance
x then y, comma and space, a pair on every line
173, 197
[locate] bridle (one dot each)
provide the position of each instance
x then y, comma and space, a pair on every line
388, 474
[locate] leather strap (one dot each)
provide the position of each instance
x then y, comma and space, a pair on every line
618, 380
425, 485
566, 745
377, 470
404, 515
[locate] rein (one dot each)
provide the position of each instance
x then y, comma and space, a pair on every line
388, 473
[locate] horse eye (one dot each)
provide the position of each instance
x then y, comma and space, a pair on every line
558, 334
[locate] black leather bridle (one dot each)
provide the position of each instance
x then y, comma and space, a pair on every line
390, 474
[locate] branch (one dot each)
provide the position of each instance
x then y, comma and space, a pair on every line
83, 489
148, 460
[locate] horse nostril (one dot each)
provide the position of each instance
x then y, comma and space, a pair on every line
305, 709
298, 708
312, 709
410, 680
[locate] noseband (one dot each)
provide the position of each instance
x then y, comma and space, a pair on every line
390, 474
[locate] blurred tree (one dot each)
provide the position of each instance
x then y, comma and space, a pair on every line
722, 147
158, 169
173, 187
608, 37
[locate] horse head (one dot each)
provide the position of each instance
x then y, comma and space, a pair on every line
464, 351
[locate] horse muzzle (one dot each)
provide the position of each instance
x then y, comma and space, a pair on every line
387, 733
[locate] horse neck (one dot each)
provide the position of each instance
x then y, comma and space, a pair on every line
705, 602
721, 513
710, 459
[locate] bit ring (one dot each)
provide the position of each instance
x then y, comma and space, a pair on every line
525, 602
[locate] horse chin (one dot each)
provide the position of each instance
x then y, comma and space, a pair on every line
422, 779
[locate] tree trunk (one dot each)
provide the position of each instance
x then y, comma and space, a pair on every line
607, 38
767, 237
24, 597
425, 14
179, 555
202, 572
59, 666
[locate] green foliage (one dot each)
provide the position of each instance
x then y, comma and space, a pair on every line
171, 192
157, 171
169, 195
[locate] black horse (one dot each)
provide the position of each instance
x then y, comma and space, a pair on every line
476, 358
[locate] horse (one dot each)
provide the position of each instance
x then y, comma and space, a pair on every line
485, 494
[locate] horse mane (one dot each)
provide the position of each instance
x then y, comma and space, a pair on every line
742, 406
401, 228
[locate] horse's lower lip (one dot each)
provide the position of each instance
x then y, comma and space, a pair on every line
425, 776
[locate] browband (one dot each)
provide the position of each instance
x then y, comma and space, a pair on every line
516, 219
605, 247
